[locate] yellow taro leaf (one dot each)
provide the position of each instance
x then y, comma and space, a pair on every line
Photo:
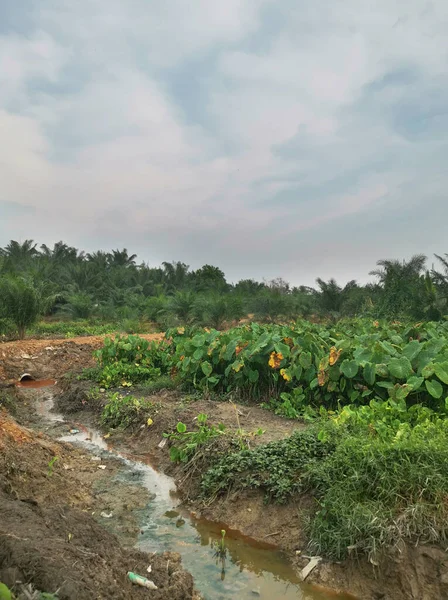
286, 376
334, 355
322, 378
149, 422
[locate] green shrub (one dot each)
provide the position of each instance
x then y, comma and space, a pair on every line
376, 480
125, 411
374, 492
21, 303
123, 374
186, 443
276, 468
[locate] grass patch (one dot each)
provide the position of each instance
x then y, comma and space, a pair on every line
8, 401
158, 385
372, 490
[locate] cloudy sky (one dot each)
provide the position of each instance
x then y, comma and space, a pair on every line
269, 137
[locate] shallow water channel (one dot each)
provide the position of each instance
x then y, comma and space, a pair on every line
251, 569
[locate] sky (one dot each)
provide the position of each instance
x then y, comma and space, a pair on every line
271, 138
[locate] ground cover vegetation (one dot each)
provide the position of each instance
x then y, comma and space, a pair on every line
374, 456
77, 293
365, 366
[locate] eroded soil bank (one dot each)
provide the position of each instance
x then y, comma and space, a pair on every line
49, 494
409, 573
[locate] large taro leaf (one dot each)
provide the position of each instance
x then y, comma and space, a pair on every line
400, 368
441, 370
349, 368
434, 388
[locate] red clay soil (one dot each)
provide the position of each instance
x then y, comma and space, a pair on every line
24, 353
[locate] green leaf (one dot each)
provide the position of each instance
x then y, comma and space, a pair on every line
305, 360
199, 353
400, 368
362, 355
415, 382
428, 371
297, 371
206, 368
385, 384
400, 392
354, 395
367, 393
349, 368
441, 370
213, 380
253, 376
181, 427
369, 373
314, 384
382, 370
412, 350
5, 593
283, 349
198, 340
434, 388
230, 350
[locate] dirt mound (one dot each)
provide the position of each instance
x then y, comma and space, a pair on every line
48, 536
66, 550
51, 358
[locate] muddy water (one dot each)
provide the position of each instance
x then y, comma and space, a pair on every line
250, 569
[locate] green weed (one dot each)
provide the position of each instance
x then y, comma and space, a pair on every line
186, 443
125, 411
378, 479
51, 465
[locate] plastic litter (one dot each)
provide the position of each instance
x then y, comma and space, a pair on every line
74, 431
314, 561
141, 581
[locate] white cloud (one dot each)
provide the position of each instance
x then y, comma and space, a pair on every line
293, 137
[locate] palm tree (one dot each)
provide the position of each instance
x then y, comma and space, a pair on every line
181, 307
121, 258
402, 286
330, 296
22, 302
441, 279
18, 256
175, 275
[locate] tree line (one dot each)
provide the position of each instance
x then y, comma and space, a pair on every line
65, 282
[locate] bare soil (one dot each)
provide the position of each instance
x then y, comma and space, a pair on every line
408, 573
49, 535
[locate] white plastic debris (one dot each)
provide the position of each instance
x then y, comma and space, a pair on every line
315, 560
